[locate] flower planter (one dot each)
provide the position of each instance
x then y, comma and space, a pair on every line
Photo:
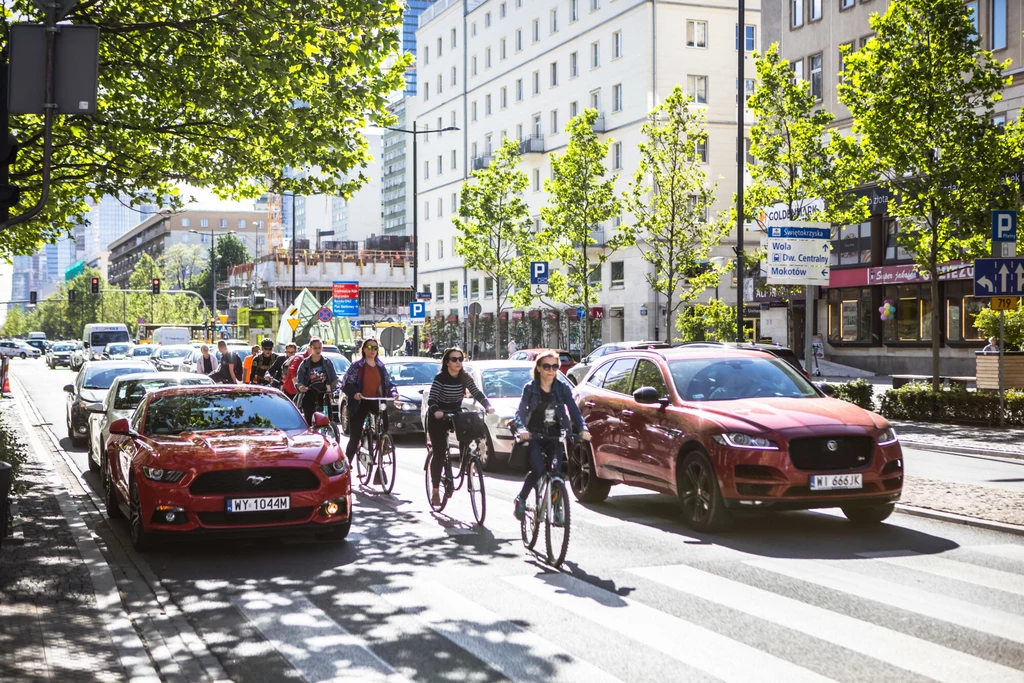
987, 370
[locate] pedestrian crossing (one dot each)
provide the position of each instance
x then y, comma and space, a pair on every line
892, 616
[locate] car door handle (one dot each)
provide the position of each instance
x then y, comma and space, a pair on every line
627, 413
589, 404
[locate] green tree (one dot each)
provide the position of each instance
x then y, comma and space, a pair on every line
230, 252
158, 308
713, 321
922, 94
987, 322
14, 324
581, 198
216, 94
496, 230
670, 199
182, 262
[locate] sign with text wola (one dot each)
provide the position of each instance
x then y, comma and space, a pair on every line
798, 253
345, 297
999, 276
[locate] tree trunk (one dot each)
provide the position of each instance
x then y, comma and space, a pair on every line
497, 320
668, 314
936, 305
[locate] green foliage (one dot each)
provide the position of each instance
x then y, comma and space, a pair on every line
713, 321
15, 454
987, 322
859, 392
182, 262
229, 252
581, 198
15, 325
217, 94
670, 199
922, 94
919, 402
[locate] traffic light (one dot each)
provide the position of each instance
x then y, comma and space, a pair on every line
156, 285
10, 195
32, 298
71, 296
94, 285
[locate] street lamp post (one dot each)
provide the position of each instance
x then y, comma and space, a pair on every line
213, 271
741, 157
415, 226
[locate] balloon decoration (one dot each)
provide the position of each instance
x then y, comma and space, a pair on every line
887, 310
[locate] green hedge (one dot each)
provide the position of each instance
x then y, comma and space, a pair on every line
859, 392
917, 402
13, 452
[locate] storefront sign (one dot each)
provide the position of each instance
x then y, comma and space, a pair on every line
597, 312
908, 273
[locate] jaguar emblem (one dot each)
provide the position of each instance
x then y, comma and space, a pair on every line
832, 445
256, 480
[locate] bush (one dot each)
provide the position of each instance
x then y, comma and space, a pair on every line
13, 453
919, 402
859, 392
987, 322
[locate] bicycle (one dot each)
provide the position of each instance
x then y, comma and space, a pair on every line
379, 450
469, 427
550, 505
330, 410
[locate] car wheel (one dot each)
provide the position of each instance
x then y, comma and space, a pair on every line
868, 514
488, 458
702, 502
141, 539
583, 479
76, 441
94, 465
23, 355
338, 532
109, 494
344, 419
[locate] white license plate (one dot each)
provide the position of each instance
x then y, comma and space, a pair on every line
830, 482
264, 504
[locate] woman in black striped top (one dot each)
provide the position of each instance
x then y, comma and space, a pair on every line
446, 393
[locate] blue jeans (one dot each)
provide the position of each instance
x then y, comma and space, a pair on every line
538, 449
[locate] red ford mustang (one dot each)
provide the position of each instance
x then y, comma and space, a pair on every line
729, 430
232, 460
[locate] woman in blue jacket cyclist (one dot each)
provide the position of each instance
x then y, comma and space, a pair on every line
545, 410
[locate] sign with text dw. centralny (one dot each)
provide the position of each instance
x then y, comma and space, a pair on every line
798, 253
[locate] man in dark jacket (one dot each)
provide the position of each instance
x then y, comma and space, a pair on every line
229, 371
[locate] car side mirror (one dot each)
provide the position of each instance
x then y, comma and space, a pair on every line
95, 408
647, 395
121, 427
320, 420
826, 388
69, 388
420, 392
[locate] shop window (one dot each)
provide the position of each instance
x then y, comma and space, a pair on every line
853, 246
962, 309
849, 314
913, 319
894, 252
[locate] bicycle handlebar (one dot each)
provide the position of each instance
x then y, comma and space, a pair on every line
379, 398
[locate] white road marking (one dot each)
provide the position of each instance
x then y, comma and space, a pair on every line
952, 569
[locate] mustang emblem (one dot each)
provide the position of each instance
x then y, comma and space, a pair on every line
832, 445
256, 480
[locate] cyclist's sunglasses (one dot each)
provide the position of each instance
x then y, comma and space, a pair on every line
455, 359
371, 347
549, 366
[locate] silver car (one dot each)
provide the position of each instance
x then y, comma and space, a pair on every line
169, 358
117, 351
125, 394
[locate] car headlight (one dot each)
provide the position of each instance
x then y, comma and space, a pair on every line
405, 405
887, 437
739, 440
336, 468
160, 474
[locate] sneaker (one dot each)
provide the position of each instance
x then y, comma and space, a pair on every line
520, 509
435, 498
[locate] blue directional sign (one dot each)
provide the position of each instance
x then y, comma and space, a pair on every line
999, 277
581, 312
1004, 226
539, 273
417, 310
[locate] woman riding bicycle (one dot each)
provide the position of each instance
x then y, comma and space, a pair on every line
545, 410
366, 377
446, 393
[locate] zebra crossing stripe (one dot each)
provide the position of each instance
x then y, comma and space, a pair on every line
692, 645
905, 597
883, 644
977, 575
1006, 551
510, 650
312, 642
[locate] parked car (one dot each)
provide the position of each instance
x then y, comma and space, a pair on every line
727, 430
59, 353
169, 358
117, 351
16, 348
225, 460
91, 386
776, 350
564, 357
125, 394
412, 377
80, 356
579, 371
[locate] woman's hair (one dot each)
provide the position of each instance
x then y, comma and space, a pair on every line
546, 353
444, 360
362, 349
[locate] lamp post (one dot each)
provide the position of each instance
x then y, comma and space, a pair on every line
415, 227
213, 271
741, 157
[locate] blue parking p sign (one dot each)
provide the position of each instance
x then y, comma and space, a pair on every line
538, 272
1004, 226
417, 310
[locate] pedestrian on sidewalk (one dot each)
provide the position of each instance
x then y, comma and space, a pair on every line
992, 346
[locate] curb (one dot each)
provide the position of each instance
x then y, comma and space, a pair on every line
960, 450
960, 519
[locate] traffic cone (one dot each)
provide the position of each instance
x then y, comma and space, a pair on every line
7, 385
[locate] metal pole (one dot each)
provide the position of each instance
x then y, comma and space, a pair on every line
213, 275
810, 295
1002, 370
415, 239
740, 159
293, 246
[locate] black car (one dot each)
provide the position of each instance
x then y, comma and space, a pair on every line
412, 376
780, 352
91, 387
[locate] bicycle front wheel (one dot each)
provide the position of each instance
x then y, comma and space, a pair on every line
475, 486
386, 463
364, 464
556, 524
528, 525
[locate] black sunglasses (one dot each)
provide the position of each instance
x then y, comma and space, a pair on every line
549, 366
455, 359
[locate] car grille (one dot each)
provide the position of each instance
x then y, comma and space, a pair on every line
851, 453
237, 481
245, 518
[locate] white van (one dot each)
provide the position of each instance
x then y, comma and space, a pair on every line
96, 336
169, 336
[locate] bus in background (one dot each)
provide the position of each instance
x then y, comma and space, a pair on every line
96, 336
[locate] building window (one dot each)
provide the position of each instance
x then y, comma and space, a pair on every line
474, 288
455, 38
698, 87
962, 310
998, 24
574, 65
426, 55
815, 67
502, 11
554, 21
574, 108
999, 121
894, 251
472, 111
519, 131
595, 99
617, 97
972, 14
453, 119
472, 65
554, 121
701, 150
440, 47
536, 82
488, 288
748, 87
487, 20
574, 10
616, 44
440, 291
618, 274
453, 290
426, 211
519, 39
487, 105
472, 29
204, 222
440, 165
185, 222
864, 40
852, 246
796, 13
846, 4
519, 90
913, 319
696, 33
595, 5
749, 38
850, 315
455, 78
502, 52
536, 30
616, 156
842, 58
426, 251
554, 74
487, 58
815, 13
440, 249
536, 180
455, 197
536, 125
503, 100
455, 242
241, 224
595, 274
595, 55
440, 84
454, 160
426, 91
223, 222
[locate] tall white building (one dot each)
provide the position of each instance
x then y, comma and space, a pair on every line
515, 69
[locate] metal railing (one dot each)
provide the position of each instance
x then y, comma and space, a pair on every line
482, 162
533, 144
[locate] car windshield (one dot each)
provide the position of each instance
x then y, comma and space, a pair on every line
143, 351
108, 337
730, 379
341, 364
174, 351
63, 347
229, 410
408, 374
103, 377
131, 392
116, 348
508, 382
